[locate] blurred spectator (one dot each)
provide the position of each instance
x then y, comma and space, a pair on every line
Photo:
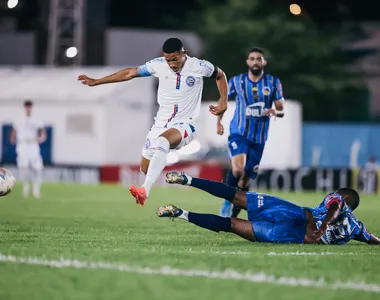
369, 176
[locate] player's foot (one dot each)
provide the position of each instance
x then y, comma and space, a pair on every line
177, 177
169, 211
225, 210
139, 194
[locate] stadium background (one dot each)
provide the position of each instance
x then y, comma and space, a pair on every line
95, 135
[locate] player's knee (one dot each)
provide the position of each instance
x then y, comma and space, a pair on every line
163, 144
238, 172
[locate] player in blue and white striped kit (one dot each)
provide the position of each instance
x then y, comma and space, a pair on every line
255, 94
275, 220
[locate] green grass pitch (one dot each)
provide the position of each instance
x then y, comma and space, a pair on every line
94, 242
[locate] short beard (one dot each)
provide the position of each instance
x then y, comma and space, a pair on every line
256, 72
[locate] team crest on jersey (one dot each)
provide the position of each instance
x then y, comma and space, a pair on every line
190, 81
147, 144
266, 91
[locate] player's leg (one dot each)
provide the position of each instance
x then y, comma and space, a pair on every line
37, 167
254, 155
169, 139
144, 164
176, 135
238, 148
217, 189
242, 228
23, 172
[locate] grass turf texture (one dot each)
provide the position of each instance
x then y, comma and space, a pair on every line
102, 223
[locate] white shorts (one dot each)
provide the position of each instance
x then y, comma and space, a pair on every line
187, 131
29, 157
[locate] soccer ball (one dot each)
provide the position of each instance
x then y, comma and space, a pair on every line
7, 182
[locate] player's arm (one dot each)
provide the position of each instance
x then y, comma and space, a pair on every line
279, 108
208, 70
12, 136
231, 93
42, 135
374, 240
363, 235
120, 76
334, 207
278, 101
222, 84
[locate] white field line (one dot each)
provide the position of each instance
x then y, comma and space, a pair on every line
210, 252
169, 271
310, 253
189, 251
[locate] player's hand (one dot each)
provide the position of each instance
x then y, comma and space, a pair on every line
40, 140
87, 80
220, 129
321, 231
218, 109
271, 112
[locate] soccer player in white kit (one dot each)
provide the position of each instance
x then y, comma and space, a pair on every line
28, 133
179, 98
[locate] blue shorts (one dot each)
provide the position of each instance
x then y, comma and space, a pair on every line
238, 144
275, 220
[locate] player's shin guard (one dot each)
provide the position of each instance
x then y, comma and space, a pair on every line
210, 222
217, 189
157, 163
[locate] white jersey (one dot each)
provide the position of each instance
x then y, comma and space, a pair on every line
27, 129
179, 94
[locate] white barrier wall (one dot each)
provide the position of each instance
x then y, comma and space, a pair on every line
91, 126
284, 146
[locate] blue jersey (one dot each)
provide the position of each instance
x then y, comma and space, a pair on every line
346, 226
252, 101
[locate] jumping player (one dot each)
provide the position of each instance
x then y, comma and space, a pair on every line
274, 220
255, 94
179, 98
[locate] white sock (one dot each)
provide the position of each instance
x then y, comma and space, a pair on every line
24, 178
189, 178
37, 180
184, 215
157, 163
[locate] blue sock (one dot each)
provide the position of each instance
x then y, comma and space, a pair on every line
217, 189
211, 222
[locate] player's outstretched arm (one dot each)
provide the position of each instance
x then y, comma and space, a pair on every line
222, 84
279, 105
332, 213
42, 136
374, 240
13, 136
123, 75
